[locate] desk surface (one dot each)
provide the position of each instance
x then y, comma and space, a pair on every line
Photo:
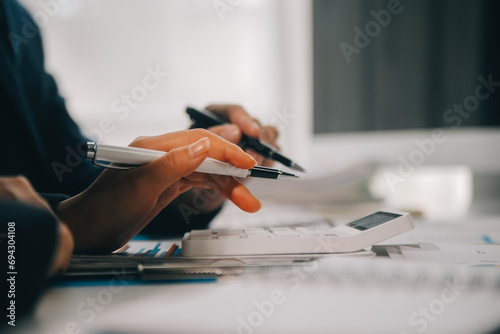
355, 296
345, 296
375, 295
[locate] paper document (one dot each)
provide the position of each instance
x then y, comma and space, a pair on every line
484, 255
376, 296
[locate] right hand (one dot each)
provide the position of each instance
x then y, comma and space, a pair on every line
19, 189
119, 204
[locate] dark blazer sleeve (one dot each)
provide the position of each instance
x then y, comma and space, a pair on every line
28, 240
38, 138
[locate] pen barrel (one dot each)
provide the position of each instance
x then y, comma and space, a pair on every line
265, 172
206, 119
212, 166
276, 156
139, 156
258, 146
126, 155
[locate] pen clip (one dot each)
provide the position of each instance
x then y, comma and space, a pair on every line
91, 155
102, 165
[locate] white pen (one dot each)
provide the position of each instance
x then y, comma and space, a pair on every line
130, 157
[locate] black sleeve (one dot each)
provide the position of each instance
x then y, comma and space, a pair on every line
38, 138
177, 219
54, 199
28, 240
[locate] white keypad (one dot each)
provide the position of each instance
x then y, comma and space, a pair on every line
372, 229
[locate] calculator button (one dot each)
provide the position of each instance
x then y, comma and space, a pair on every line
287, 234
260, 234
324, 229
200, 237
201, 232
307, 232
280, 229
257, 230
229, 234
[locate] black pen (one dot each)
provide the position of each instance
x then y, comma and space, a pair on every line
206, 119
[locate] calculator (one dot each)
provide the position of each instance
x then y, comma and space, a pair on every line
354, 236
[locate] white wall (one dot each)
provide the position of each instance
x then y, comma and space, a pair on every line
257, 53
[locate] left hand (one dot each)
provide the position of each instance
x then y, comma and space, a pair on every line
19, 189
240, 122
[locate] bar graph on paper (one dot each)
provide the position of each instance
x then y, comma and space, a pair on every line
150, 248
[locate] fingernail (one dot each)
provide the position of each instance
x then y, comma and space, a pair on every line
230, 132
256, 126
199, 148
253, 156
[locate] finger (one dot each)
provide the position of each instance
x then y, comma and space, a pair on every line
234, 190
164, 199
237, 115
20, 189
194, 184
198, 180
171, 193
230, 132
158, 175
196, 177
34, 199
259, 158
269, 134
64, 250
220, 148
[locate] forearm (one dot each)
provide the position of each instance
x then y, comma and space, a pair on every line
40, 249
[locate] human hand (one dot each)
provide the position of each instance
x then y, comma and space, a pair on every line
242, 122
19, 189
120, 203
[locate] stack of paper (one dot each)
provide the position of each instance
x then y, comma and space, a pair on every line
475, 255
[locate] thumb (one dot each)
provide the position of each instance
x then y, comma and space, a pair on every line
174, 165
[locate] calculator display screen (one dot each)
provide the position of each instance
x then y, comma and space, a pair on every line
373, 220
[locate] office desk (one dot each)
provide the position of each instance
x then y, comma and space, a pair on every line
374, 295
314, 300
337, 296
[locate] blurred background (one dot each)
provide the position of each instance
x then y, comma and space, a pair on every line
347, 83
254, 53
410, 66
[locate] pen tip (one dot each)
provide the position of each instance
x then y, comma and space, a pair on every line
287, 174
297, 167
